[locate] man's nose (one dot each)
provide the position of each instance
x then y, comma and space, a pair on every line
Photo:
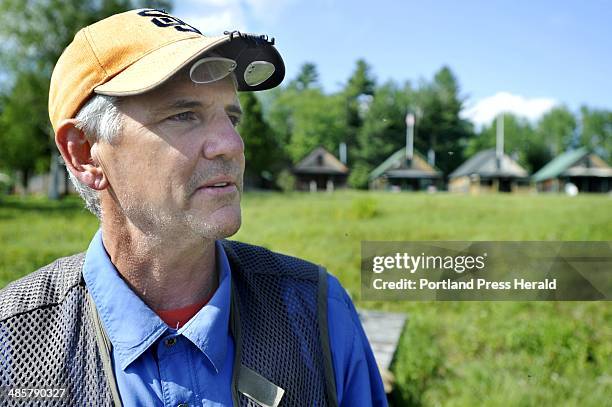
223, 141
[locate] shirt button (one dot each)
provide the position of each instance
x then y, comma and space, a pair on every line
170, 342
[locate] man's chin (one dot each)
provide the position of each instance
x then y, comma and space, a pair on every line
222, 223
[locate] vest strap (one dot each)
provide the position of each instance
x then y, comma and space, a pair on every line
330, 380
105, 347
237, 335
258, 388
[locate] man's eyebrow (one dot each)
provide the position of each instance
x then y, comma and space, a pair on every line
177, 105
191, 104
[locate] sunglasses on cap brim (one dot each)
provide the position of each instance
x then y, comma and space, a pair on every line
212, 69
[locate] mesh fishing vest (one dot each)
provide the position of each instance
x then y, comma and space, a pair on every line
53, 349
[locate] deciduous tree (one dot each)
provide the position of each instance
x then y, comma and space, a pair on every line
33, 34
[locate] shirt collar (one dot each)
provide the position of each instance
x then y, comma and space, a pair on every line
209, 328
132, 333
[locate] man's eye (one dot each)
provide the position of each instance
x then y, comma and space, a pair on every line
183, 116
235, 120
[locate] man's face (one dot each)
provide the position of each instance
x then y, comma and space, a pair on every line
177, 166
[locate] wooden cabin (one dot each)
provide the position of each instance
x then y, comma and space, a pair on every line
320, 171
399, 173
484, 172
585, 169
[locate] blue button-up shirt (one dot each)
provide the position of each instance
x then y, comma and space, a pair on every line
156, 365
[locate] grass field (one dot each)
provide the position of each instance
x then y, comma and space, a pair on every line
455, 353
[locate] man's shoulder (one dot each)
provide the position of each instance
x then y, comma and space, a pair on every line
337, 292
43, 287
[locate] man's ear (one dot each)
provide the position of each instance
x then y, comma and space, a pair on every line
76, 151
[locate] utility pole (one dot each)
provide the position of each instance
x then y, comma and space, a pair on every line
55, 173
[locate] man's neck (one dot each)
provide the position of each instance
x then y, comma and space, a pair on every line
166, 273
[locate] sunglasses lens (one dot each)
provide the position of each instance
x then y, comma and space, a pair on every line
258, 72
209, 70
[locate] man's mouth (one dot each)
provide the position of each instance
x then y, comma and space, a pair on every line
218, 187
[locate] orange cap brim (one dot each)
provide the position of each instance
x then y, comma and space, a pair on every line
158, 66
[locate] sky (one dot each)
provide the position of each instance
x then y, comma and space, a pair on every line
518, 56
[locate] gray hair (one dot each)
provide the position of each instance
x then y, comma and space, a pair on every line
100, 120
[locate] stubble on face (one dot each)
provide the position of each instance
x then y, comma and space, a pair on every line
175, 208
227, 207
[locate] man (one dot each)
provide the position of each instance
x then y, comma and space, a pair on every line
161, 310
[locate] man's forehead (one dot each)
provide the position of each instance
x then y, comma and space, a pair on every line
181, 82
180, 91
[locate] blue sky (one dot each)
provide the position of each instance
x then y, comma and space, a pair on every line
520, 56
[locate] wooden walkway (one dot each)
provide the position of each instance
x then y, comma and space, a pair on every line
383, 330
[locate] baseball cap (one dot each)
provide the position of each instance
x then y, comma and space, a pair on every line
134, 52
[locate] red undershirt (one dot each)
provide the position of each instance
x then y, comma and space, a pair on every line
176, 318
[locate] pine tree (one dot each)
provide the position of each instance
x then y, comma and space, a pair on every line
262, 153
440, 127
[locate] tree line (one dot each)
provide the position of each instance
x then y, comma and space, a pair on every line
370, 117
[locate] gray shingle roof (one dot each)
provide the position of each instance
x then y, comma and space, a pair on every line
396, 167
320, 161
484, 164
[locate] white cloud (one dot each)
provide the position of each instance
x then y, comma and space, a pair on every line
485, 110
215, 16
216, 23
212, 17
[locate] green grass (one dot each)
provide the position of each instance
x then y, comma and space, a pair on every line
34, 232
451, 353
